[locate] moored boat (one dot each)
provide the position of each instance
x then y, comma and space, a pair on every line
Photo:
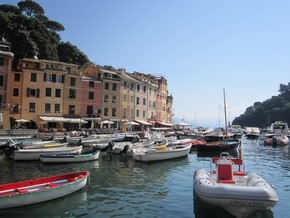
277, 134
231, 187
161, 152
70, 158
39, 190
34, 154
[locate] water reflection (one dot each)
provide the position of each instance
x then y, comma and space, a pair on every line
68, 206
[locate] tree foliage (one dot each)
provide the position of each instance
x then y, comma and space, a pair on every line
71, 54
262, 114
32, 34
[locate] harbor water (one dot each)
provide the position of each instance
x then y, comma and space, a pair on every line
121, 187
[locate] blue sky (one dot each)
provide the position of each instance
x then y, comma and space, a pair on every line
200, 47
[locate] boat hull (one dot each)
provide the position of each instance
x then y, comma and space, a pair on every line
41, 190
34, 154
69, 158
257, 195
147, 155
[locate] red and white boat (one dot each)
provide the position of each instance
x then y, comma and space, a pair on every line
39, 190
230, 187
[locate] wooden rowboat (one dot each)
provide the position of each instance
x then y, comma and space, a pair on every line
70, 158
34, 154
39, 190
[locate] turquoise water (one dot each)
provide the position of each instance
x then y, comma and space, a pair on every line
121, 187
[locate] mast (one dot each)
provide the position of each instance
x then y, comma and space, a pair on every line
225, 109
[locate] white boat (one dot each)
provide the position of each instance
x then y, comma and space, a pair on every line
161, 152
37, 190
34, 154
44, 144
230, 187
70, 158
252, 132
277, 134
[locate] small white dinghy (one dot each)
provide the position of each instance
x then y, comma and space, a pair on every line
230, 187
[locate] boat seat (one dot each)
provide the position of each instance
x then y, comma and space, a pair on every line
239, 173
22, 191
225, 172
51, 185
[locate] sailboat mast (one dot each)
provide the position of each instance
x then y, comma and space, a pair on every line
225, 109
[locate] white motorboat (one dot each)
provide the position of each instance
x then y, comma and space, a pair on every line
161, 152
34, 154
230, 187
277, 134
252, 132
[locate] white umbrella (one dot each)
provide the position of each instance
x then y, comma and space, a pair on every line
132, 123
22, 121
107, 122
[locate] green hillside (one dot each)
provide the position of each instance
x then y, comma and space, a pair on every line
262, 114
33, 35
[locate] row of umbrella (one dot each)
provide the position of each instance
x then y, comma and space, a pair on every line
127, 123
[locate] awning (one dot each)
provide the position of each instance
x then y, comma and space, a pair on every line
132, 123
107, 122
164, 124
91, 118
144, 122
22, 121
74, 120
62, 119
52, 119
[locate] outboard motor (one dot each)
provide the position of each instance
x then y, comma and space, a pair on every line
124, 150
108, 147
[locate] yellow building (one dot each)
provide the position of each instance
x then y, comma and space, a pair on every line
6, 58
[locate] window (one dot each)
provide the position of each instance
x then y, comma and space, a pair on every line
91, 95
114, 112
137, 100
31, 107
124, 112
114, 99
72, 81
149, 103
47, 107
72, 93
33, 77
107, 86
132, 86
144, 89
91, 84
57, 93
106, 99
17, 77
1, 80
144, 101
124, 98
56, 108
1, 100
32, 92
114, 86
48, 92
106, 111
90, 109
137, 113
71, 109
68, 70
15, 92
144, 113
2, 62
15, 108
138, 87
